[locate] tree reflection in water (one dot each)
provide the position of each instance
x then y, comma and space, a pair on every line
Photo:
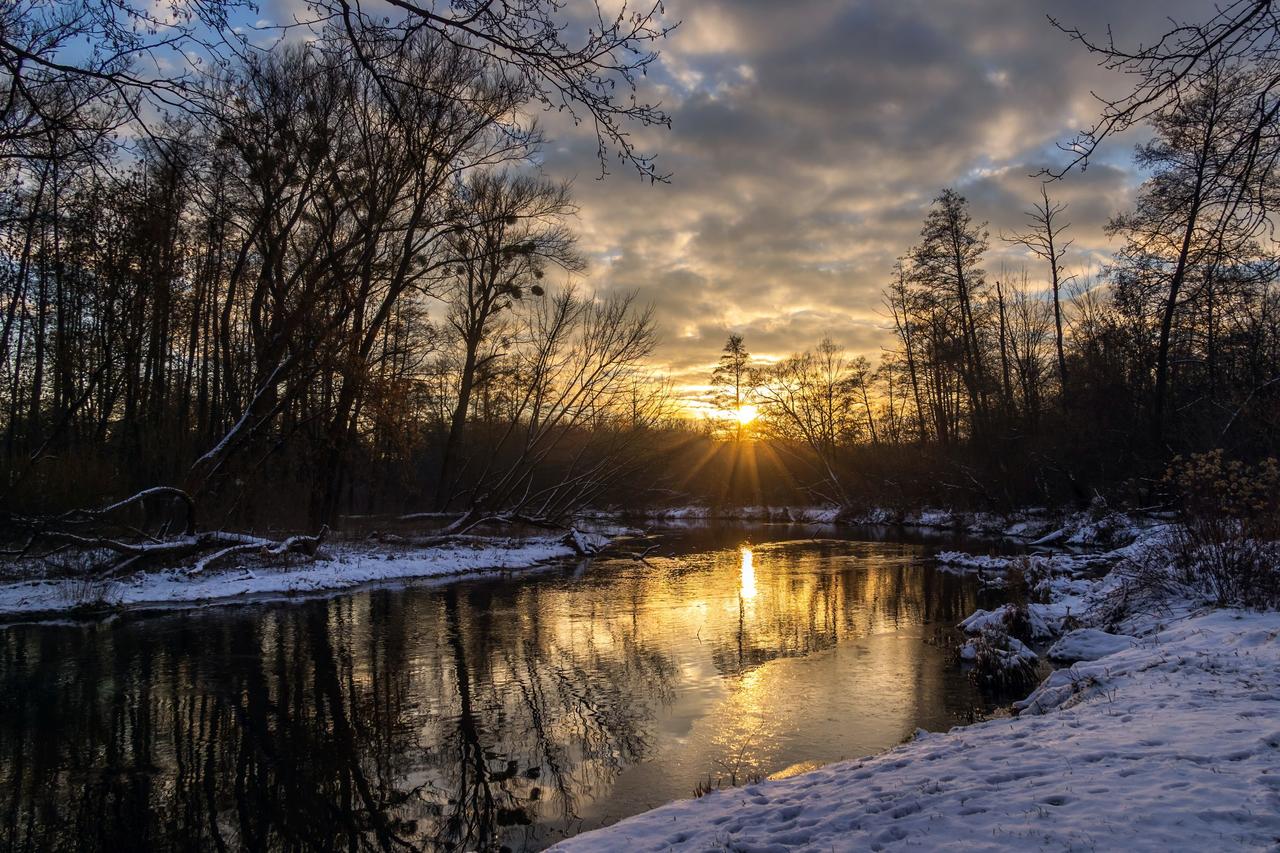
472, 716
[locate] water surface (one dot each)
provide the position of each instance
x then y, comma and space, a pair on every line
501, 712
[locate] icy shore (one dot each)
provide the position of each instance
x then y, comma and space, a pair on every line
1164, 735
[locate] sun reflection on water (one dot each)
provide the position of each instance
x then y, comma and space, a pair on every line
748, 584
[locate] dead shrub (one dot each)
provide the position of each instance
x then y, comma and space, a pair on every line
1000, 661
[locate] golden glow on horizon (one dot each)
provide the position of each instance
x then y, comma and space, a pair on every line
746, 414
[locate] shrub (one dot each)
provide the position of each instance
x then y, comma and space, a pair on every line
1000, 661
1210, 489
1226, 542
88, 592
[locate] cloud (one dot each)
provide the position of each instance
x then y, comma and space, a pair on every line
809, 139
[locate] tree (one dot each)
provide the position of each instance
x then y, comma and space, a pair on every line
53, 81
861, 377
900, 300
589, 72
512, 231
731, 380
1238, 37
256, 293
1190, 218
1044, 240
84, 68
570, 391
810, 399
946, 265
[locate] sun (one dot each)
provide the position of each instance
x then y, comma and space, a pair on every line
746, 414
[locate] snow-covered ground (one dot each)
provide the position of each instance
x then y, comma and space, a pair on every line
344, 566
1164, 735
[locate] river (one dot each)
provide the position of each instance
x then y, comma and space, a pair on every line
502, 712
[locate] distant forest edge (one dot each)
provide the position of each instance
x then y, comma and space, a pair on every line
292, 284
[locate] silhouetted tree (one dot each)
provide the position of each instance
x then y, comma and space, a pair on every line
731, 380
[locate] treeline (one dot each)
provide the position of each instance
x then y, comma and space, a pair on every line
1047, 387
311, 279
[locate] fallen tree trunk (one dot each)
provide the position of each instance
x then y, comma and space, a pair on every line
131, 548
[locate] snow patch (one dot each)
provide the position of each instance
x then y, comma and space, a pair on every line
347, 566
1089, 644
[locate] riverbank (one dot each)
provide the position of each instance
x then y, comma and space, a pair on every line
1163, 735
1096, 527
36, 588
340, 566
1173, 744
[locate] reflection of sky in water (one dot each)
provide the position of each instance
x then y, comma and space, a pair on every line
569, 699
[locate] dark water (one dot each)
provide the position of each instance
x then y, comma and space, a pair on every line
475, 715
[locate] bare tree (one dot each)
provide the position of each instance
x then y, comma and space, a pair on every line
512, 231
947, 263
1190, 212
84, 67
900, 301
146, 60
1044, 239
571, 393
810, 399
577, 64
1239, 36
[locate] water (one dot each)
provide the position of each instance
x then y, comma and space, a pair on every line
475, 715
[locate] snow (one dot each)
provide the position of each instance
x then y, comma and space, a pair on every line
346, 566
1025, 529
1101, 529
933, 518
1089, 644
975, 562
1097, 527
1046, 620
1170, 744
1040, 564
585, 542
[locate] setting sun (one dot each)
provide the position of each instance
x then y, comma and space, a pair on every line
746, 414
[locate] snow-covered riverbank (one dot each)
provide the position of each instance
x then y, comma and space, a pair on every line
1092, 528
1172, 744
1164, 735
342, 566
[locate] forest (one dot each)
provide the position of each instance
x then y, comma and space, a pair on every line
314, 270
332, 270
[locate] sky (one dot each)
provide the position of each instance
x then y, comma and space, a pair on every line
810, 136
808, 140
